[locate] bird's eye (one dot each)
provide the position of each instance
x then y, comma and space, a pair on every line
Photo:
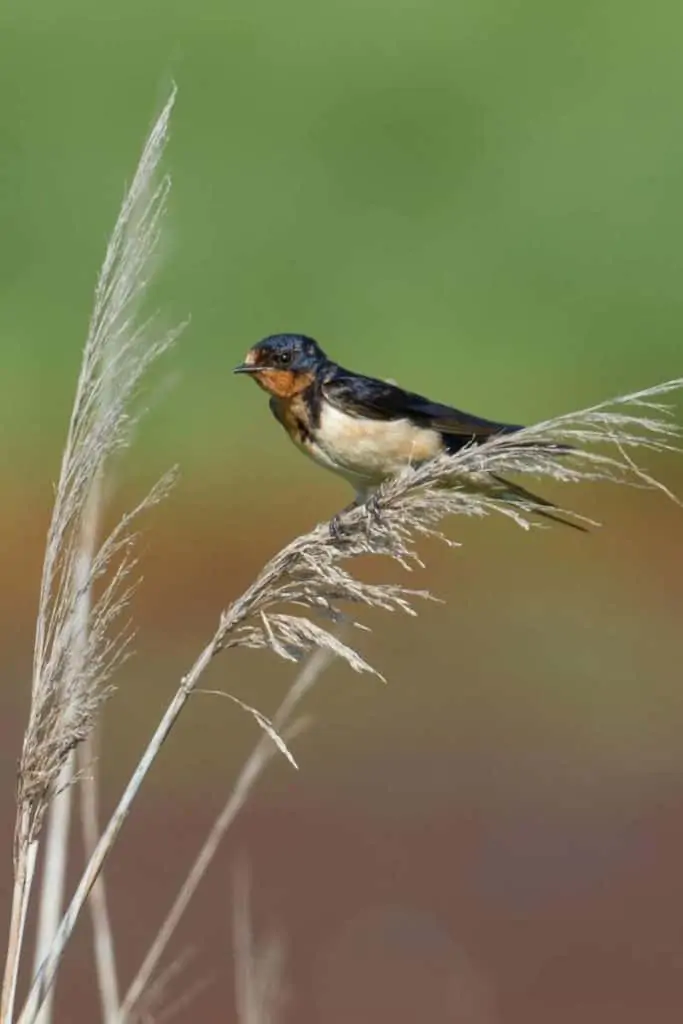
284, 358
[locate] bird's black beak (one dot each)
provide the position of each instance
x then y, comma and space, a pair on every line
246, 368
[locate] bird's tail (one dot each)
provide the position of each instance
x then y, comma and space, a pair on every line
502, 489
514, 493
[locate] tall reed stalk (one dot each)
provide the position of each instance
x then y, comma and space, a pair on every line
81, 635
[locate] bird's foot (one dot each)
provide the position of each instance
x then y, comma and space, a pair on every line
373, 509
336, 528
337, 522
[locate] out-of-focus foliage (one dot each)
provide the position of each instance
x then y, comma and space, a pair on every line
482, 199
479, 199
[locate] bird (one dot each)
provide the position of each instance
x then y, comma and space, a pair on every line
365, 429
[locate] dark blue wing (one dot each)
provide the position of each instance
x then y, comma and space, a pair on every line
367, 397
375, 399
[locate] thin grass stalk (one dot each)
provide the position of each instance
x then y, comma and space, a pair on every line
253, 767
169, 1010
59, 819
45, 976
53, 872
24, 871
103, 933
157, 997
258, 965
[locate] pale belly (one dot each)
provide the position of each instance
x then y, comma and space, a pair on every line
368, 451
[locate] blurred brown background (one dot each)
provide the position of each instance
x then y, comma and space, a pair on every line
483, 202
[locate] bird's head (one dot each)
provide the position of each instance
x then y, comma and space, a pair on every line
283, 364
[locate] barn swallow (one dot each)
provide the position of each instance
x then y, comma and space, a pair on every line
362, 428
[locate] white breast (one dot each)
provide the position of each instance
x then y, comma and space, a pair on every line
366, 450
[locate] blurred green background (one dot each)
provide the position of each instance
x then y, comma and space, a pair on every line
481, 200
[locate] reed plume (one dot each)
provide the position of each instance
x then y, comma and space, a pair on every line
82, 636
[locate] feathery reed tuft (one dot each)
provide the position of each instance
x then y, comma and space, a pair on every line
81, 635
309, 573
117, 353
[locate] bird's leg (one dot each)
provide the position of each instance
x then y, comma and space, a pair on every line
373, 508
336, 530
364, 497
